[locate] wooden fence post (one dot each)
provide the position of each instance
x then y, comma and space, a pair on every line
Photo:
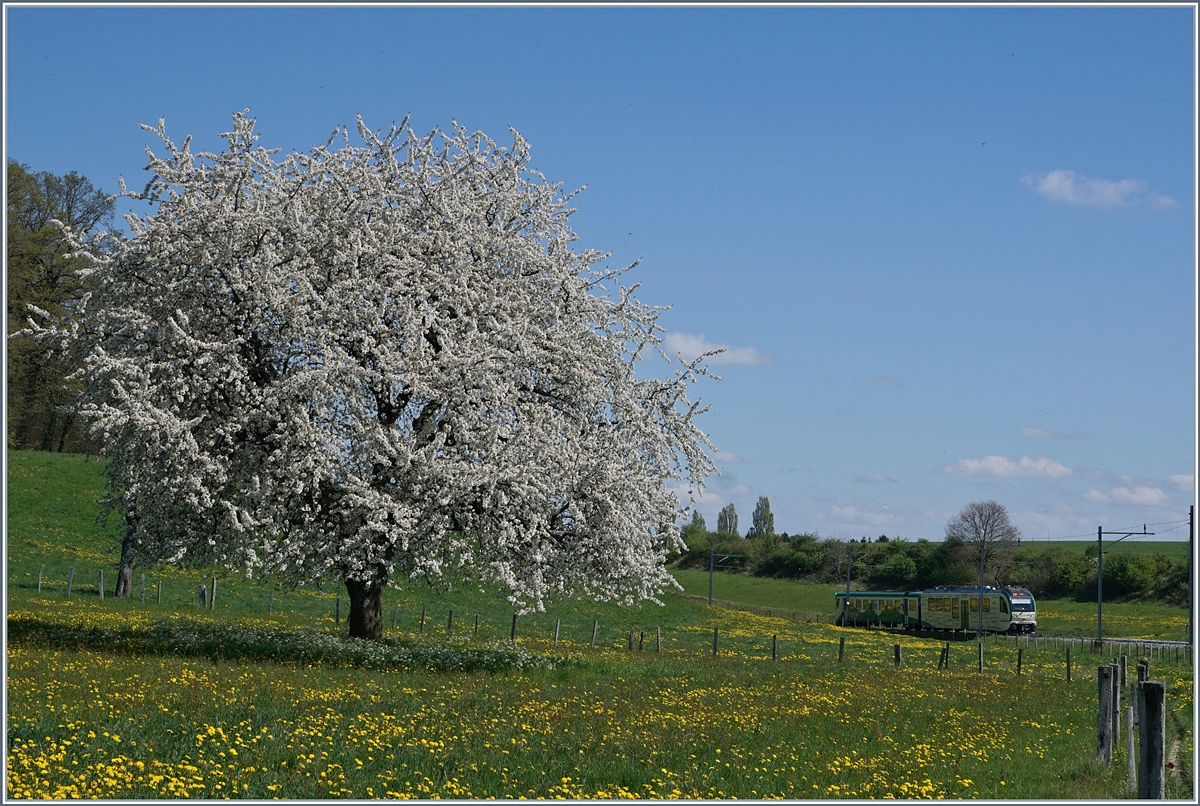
100, 586
1104, 717
142, 590
1143, 674
1152, 732
1020, 652
641, 639
1123, 666
41, 568
421, 629
212, 599
160, 591
841, 648
1129, 752
896, 653
980, 652
450, 624
774, 647
477, 624
557, 624
337, 610
595, 626
1116, 703
512, 636
714, 642
658, 639
1068, 663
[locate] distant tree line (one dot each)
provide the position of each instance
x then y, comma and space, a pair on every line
897, 563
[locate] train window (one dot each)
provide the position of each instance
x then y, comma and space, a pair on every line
1003, 606
987, 605
974, 604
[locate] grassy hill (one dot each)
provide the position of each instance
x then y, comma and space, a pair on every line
122, 698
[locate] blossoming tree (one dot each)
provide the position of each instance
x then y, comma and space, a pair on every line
381, 362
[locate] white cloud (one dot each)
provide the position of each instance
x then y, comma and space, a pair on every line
727, 456
1183, 481
1044, 433
875, 477
868, 514
1138, 496
1003, 468
692, 345
1067, 186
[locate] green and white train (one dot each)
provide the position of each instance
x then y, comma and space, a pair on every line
950, 607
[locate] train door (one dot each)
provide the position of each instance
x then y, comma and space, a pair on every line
964, 608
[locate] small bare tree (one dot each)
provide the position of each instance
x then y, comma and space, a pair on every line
985, 526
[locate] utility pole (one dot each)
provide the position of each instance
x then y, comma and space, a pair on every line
1192, 531
846, 604
982, 545
714, 560
1100, 533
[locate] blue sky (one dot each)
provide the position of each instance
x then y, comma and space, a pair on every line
951, 250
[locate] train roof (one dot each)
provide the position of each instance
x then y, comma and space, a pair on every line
963, 589
878, 593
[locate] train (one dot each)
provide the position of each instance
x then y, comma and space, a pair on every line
1009, 609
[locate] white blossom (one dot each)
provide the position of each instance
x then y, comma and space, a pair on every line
381, 361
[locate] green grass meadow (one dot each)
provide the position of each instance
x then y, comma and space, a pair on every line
126, 699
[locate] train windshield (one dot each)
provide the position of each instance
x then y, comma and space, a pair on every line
1022, 607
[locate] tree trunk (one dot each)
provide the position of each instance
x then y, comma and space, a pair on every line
366, 609
125, 568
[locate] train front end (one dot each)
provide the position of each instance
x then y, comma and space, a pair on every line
1023, 610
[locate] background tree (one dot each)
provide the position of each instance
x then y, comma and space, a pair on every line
381, 362
727, 520
983, 528
698, 521
763, 524
986, 524
40, 272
